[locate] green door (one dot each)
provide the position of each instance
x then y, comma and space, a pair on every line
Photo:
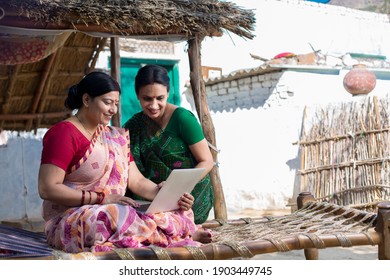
129, 68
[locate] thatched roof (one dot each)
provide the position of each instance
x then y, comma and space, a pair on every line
32, 94
34, 85
135, 17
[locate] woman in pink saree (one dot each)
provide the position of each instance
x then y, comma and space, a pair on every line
86, 167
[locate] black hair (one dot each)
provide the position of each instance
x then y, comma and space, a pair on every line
151, 74
94, 84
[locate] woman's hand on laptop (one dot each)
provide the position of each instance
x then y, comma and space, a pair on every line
186, 201
160, 185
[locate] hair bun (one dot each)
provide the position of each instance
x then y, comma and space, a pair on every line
72, 91
73, 101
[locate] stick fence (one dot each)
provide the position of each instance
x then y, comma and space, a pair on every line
345, 153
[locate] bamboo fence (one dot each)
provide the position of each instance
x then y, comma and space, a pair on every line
345, 153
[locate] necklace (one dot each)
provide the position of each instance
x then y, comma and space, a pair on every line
83, 125
99, 139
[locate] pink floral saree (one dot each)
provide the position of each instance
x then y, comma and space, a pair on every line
96, 228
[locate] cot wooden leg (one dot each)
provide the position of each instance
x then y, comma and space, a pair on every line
383, 226
303, 197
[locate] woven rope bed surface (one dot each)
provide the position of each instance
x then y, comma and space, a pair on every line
317, 225
314, 219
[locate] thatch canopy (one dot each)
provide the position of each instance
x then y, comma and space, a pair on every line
133, 17
48, 45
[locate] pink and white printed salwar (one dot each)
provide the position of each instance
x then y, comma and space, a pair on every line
96, 228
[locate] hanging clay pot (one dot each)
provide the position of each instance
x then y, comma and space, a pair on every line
359, 80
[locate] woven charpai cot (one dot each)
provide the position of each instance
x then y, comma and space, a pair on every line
316, 225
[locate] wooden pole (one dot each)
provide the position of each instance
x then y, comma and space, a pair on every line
299, 182
98, 50
12, 80
17, 117
41, 87
199, 93
218, 251
304, 197
383, 227
116, 73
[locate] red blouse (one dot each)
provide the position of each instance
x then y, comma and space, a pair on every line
64, 145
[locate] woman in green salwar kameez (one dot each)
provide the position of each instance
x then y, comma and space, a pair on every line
164, 137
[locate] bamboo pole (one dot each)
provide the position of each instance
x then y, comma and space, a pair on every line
40, 89
199, 93
223, 251
43, 98
115, 73
378, 137
13, 71
304, 197
383, 227
340, 136
17, 117
95, 57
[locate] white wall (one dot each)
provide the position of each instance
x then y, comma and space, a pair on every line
257, 158
20, 156
295, 26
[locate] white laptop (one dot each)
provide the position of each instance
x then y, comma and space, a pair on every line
179, 181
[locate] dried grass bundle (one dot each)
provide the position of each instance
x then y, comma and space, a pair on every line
133, 17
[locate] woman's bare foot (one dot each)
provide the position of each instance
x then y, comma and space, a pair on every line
203, 236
